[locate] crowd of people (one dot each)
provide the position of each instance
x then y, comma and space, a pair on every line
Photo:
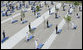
10, 6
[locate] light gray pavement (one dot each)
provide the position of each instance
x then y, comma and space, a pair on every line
28, 16
8, 27
42, 34
67, 39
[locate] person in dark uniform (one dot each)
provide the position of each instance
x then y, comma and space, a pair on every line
77, 15
45, 3
68, 12
56, 29
47, 23
16, 7
34, 11
6, 13
20, 5
52, 3
80, 8
48, 6
21, 18
63, 8
29, 27
55, 15
23, 3
29, 2
3, 34
10, 6
40, 5
34, 4
31, 7
6, 5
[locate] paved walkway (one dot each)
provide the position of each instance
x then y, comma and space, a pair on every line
67, 39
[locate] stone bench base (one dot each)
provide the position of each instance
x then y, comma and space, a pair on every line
3, 40
14, 21
40, 46
49, 25
24, 21
30, 38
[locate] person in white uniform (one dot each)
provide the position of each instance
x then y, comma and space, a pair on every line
36, 43
80, 8
73, 25
27, 35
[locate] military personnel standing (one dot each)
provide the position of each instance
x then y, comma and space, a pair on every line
3, 34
